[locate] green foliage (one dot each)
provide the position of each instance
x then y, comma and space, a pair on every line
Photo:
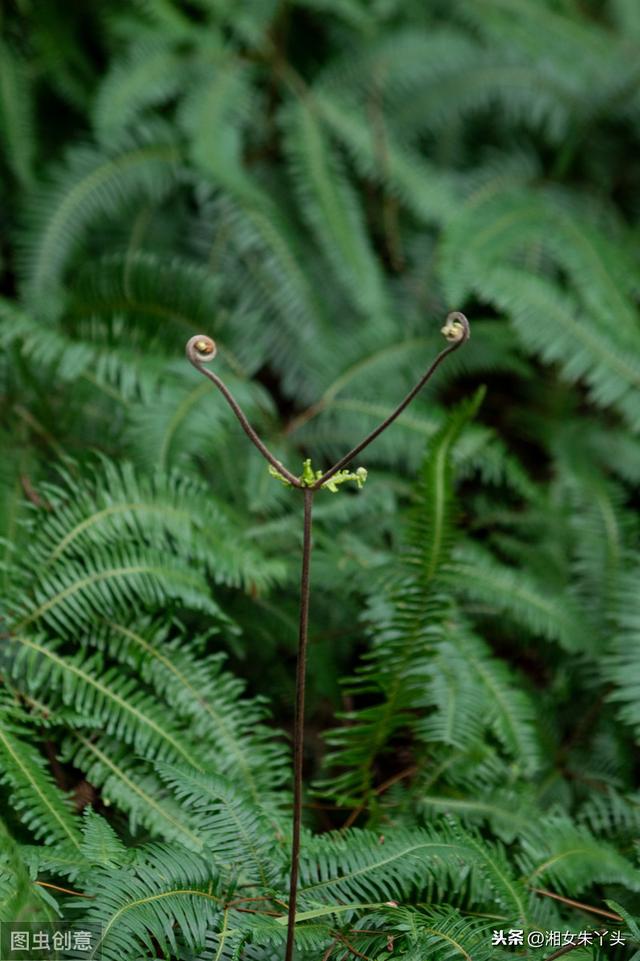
315, 185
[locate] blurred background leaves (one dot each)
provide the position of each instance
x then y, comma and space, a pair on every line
315, 183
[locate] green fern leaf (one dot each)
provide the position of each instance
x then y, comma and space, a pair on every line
478, 576
34, 797
92, 184
16, 115
150, 73
105, 698
328, 202
164, 899
232, 827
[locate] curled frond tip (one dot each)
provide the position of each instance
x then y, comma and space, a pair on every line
201, 349
456, 327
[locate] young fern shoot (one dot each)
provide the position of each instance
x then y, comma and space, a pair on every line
201, 350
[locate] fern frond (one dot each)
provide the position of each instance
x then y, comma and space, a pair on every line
20, 898
214, 113
615, 449
164, 899
428, 192
564, 38
429, 531
601, 531
621, 663
566, 856
507, 811
105, 698
456, 702
150, 73
74, 593
611, 814
231, 826
467, 693
183, 417
328, 202
264, 275
443, 934
91, 184
16, 115
164, 300
116, 504
12, 501
495, 227
43, 808
361, 866
121, 373
550, 325
131, 786
406, 619
100, 843
479, 576
209, 698
509, 710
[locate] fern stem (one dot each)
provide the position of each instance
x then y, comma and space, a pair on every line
357, 811
578, 904
298, 728
200, 350
565, 950
354, 951
453, 318
56, 887
327, 954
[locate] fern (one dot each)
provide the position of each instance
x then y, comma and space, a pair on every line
478, 576
139, 903
230, 826
16, 110
127, 286
406, 623
149, 75
446, 934
131, 787
42, 806
333, 212
90, 184
315, 185
621, 660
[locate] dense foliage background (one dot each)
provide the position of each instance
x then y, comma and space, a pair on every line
315, 183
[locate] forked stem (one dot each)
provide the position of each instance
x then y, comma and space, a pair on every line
202, 349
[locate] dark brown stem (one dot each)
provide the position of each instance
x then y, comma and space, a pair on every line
327, 954
565, 950
200, 350
298, 724
578, 904
352, 950
407, 772
56, 887
453, 318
